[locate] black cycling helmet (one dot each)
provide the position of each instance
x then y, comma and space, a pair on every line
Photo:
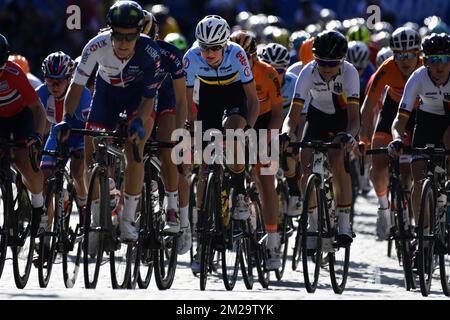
4, 50
435, 44
125, 14
330, 45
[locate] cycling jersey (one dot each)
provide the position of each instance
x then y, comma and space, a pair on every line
218, 91
120, 84
54, 109
234, 67
329, 97
388, 74
295, 68
433, 99
287, 91
16, 93
364, 79
142, 67
268, 86
171, 69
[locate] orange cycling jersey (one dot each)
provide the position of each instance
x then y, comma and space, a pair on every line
388, 74
268, 86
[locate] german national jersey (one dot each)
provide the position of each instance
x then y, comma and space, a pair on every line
433, 99
16, 92
327, 97
142, 67
268, 86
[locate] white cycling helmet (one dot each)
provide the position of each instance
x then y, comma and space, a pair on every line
275, 54
383, 55
212, 30
358, 54
405, 39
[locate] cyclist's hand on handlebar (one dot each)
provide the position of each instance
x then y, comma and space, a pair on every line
35, 140
349, 141
136, 129
395, 148
62, 129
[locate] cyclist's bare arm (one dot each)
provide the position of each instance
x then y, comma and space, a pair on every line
40, 118
179, 88
276, 119
190, 101
399, 125
252, 102
367, 115
73, 97
353, 123
292, 120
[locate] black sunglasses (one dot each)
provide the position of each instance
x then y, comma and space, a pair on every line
328, 63
205, 48
125, 36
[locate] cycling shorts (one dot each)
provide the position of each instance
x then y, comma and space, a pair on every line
322, 126
19, 127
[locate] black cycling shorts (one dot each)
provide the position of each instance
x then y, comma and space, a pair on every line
321, 126
18, 127
387, 115
429, 129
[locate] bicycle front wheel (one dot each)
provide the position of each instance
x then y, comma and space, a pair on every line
311, 239
24, 242
425, 253
93, 240
5, 205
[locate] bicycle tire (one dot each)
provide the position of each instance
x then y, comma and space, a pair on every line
260, 245
314, 255
206, 219
90, 281
47, 253
71, 238
297, 250
444, 259
193, 218
245, 259
404, 234
5, 196
285, 228
425, 253
22, 236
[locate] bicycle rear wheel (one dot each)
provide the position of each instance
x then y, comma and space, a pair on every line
5, 205
93, 250
285, 228
311, 257
405, 235
297, 250
246, 257
425, 253
260, 239
72, 237
24, 242
48, 240
193, 218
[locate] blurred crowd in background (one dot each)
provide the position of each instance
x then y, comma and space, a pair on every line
35, 28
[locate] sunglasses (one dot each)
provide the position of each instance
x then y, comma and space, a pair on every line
328, 63
125, 36
406, 55
206, 48
437, 58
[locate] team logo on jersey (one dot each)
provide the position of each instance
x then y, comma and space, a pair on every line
247, 72
186, 63
4, 85
337, 87
152, 52
241, 58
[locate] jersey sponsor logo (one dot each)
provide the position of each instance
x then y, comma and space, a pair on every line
186, 63
94, 47
430, 93
152, 52
247, 71
12, 70
318, 84
225, 69
4, 85
337, 87
241, 58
